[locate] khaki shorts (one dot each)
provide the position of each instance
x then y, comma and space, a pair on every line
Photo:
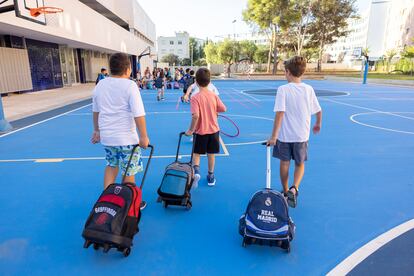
291, 151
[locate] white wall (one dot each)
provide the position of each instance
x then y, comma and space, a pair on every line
131, 12
78, 26
181, 50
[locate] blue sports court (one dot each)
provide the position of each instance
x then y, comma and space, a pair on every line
358, 186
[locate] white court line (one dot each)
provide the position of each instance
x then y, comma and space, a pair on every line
246, 143
352, 118
61, 159
369, 109
43, 121
245, 94
362, 253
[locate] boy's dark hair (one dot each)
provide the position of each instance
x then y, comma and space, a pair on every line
119, 64
103, 70
187, 70
162, 75
203, 77
296, 66
192, 72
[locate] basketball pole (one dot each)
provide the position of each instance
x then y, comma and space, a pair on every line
366, 70
4, 124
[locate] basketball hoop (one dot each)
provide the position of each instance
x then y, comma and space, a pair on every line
35, 12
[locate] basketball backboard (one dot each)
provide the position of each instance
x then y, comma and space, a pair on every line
22, 9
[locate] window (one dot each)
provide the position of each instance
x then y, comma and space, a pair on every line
171, 42
180, 42
180, 51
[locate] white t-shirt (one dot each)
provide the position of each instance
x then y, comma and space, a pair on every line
195, 89
118, 102
299, 102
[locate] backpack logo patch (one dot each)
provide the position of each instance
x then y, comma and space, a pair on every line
268, 202
102, 219
117, 189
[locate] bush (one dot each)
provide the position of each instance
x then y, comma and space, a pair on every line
405, 65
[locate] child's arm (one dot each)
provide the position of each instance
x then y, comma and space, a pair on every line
189, 89
194, 120
95, 135
276, 127
195, 111
142, 130
220, 106
318, 124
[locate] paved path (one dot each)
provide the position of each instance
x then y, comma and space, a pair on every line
18, 106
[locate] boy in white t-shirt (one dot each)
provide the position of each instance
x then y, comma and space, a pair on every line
295, 103
193, 89
117, 113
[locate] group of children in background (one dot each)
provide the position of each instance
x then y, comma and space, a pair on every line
118, 111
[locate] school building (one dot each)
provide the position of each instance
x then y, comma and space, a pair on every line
387, 25
67, 48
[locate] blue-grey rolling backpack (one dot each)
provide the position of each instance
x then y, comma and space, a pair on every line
266, 220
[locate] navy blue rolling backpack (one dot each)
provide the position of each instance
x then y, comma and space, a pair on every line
266, 220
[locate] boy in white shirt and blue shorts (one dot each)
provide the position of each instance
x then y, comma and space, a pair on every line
118, 111
295, 103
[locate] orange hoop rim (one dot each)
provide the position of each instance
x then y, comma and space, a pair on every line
44, 10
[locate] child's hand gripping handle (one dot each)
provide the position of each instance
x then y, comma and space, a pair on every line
146, 168
268, 169
179, 144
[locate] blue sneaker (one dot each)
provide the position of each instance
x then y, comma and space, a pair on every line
196, 176
211, 180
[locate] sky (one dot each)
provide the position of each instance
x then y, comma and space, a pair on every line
203, 18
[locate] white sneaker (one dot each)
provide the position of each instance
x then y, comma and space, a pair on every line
211, 180
196, 177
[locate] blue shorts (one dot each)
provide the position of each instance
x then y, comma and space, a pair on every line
118, 156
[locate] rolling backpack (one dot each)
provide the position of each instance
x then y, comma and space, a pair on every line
266, 220
177, 181
114, 218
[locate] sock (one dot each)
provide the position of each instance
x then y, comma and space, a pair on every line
210, 173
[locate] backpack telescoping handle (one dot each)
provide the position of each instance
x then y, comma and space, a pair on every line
146, 167
179, 144
268, 167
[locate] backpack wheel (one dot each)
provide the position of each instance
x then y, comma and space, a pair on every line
244, 242
106, 248
126, 251
96, 246
159, 199
86, 244
286, 245
165, 204
188, 205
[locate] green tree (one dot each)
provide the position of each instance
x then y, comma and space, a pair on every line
171, 59
389, 56
247, 50
330, 23
270, 16
228, 52
210, 50
196, 50
409, 54
310, 53
300, 14
186, 62
261, 54
201, 62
